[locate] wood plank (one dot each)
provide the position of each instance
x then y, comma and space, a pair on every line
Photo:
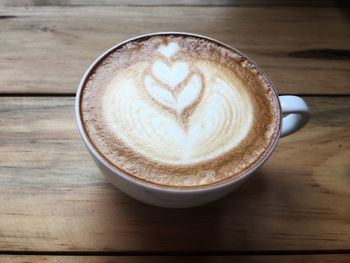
172, 2
47, 49
53, 198
141, 259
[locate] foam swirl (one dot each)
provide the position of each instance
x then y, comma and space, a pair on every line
220, 120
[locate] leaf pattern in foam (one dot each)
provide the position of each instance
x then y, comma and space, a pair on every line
190, 93
159, 94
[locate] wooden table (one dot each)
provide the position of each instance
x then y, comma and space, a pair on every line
55, 206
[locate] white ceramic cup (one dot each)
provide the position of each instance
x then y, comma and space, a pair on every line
295, 115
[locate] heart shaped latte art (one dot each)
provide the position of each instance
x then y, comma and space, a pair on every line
188, 95
171, 75
168, 50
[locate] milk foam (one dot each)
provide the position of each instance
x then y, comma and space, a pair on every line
180, 113
169, 50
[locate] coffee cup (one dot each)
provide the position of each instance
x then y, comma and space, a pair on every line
180, 120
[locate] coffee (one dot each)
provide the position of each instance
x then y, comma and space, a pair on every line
179, 111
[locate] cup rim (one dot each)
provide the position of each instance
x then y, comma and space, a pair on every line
149, 185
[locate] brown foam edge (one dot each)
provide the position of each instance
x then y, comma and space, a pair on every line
252, 167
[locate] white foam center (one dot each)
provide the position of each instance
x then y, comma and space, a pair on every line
138, 117
147, 112
170, 75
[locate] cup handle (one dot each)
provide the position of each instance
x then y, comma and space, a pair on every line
295, 114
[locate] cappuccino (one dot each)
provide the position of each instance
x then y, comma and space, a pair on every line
179, 111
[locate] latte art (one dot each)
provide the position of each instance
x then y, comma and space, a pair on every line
174, 86
177, 117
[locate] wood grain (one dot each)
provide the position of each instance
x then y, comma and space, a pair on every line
47, 49
173, 2
138, 259
53, 198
